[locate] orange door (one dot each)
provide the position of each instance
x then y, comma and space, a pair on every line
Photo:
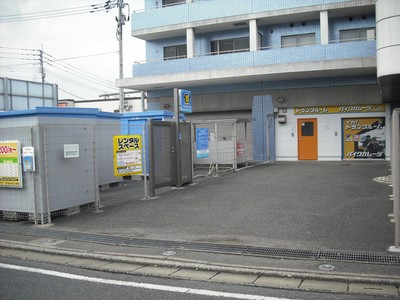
307, 139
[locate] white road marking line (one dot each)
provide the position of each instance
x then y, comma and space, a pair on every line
148, 286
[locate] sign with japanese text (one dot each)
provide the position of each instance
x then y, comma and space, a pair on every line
185, 101
202, 144
127, 155
71, 150
319, 110
28, 159
363, 138
10, 164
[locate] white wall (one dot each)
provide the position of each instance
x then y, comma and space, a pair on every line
329, 134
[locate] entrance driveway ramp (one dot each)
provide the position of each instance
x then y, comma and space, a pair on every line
297, 225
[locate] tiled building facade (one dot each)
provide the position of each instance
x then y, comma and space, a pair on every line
313, 63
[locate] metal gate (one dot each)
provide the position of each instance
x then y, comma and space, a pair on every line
186, 153
163, 152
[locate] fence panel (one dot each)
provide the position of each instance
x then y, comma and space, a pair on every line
396, 175
229, 144
186, 153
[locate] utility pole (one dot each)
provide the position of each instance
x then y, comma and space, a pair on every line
42, 72
121, 22
41, 65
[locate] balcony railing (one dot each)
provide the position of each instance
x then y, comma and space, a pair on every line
166, 15
263, 57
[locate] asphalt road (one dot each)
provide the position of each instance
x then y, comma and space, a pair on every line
20, 279
305, 205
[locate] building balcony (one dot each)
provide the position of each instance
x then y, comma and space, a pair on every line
344, 59
158, 22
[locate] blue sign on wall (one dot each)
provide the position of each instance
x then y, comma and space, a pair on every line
185, 101
203, 149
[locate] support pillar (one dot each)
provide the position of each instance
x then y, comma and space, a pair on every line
254, 40
324, 23
190, 38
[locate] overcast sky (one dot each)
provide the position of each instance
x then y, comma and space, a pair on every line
84, 44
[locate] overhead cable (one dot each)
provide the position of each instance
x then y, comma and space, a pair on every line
94, 8
75, 71
74, 82
69, 93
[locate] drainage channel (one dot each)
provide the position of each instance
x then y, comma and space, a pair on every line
364, 257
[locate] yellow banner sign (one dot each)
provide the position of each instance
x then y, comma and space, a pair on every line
10, 164
364, 138
319, 110
127, 155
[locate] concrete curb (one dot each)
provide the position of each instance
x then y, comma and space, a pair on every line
173, 262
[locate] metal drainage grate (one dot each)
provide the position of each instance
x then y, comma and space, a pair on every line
368, 257
364, 257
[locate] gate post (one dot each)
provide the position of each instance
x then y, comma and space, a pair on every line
177, 139
150, 155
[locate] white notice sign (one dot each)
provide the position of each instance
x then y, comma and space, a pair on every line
71, 150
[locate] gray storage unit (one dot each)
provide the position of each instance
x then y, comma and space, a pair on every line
63, 180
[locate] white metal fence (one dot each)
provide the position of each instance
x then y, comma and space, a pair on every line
220, 145
395, 163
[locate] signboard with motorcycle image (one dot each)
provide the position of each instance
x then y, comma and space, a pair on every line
364, 138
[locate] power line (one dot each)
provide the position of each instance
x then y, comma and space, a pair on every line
80, 76
13, 48
17, 65
22, 71
56, 68
3, 52
74, 82
94, 8
20, 58
39, 56
75, 71
85, 56
48, 11
76, 96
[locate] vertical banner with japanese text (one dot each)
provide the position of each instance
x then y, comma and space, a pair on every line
10, 164
364, 138
202, 143
127, 155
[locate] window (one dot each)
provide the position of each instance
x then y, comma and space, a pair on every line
298, 40
175, 52
307, 129
172, 2
229, 46
360, 34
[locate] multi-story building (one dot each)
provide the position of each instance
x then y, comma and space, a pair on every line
304, 71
